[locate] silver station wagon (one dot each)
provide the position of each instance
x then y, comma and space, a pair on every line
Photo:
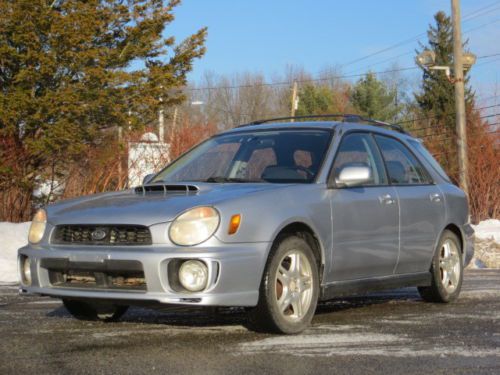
273, 216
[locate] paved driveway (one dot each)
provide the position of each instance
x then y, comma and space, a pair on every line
385, 333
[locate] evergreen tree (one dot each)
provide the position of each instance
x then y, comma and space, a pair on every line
70, 68
436, 101
372, 98
321, 99
437, 98
314, 100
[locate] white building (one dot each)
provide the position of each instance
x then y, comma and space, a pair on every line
145, 157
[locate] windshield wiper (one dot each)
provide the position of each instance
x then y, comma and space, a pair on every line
222, 179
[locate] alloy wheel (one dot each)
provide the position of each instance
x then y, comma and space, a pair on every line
449, 266
294, 285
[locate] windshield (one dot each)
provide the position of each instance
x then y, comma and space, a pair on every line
283, 156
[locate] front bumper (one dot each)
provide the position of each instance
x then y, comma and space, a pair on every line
236, 271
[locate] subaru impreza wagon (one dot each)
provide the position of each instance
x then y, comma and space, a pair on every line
271, 216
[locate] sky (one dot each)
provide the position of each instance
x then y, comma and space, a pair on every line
265, 36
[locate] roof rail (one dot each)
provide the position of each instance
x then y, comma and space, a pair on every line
346, 117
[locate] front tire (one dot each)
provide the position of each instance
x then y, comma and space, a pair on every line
289, 289
94, 311
446, 270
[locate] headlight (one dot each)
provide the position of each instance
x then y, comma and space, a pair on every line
194, 226
37, 227
193, 275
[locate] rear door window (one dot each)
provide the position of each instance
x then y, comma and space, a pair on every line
402, 166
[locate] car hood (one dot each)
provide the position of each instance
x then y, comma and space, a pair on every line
136, 206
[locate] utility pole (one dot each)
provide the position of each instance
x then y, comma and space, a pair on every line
161, 125
120, 139
161, 122
174, 118
459, 97
294, 100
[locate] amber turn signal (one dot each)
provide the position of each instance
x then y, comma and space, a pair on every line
234, 224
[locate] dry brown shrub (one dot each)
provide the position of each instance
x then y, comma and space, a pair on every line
484, 167
484, 170
15, 201
188, 135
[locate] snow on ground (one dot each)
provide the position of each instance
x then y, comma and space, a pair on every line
487, 245
12, 237
488, 230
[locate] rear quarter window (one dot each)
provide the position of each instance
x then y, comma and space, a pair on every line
421, 151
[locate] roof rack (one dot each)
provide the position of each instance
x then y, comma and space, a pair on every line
346, 117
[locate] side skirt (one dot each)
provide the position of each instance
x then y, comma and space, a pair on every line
363, 286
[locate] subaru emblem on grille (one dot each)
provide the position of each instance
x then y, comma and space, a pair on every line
98, 234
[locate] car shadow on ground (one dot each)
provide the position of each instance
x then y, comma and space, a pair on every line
231, 316
355, 302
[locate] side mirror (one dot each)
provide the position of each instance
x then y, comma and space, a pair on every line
353, 176
148, 178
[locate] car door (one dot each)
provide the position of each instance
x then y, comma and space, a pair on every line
365, 217
422, 211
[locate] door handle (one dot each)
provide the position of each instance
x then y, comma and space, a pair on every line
435, 197
386, 199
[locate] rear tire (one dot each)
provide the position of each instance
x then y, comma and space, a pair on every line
446, 270
94, 311
289, 288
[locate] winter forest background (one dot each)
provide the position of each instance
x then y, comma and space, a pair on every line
80, 80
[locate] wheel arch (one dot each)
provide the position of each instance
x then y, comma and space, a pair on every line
304, 230
455, 229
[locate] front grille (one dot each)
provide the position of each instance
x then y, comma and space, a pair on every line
97, 280
109, 275
103, 235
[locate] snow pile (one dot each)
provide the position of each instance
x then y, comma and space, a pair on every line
488, 230
487, 244
12, 237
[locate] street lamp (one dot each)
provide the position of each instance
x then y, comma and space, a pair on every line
427, 60
468, 59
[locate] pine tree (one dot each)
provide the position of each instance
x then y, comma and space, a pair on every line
314, 100
437, 96
436, 100
321, 99
373, 99
70, 69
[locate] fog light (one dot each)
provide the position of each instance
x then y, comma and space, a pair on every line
26, 270
193, 275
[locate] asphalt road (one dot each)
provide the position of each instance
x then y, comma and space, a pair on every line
387, 333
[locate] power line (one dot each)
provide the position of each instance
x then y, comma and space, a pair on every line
486, 56
417, 37
284, 83
473, 15
488, 62
287, 83
446, 114
382, 61
434, 135
466, 18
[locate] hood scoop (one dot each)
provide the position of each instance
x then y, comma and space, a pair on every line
165, 189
